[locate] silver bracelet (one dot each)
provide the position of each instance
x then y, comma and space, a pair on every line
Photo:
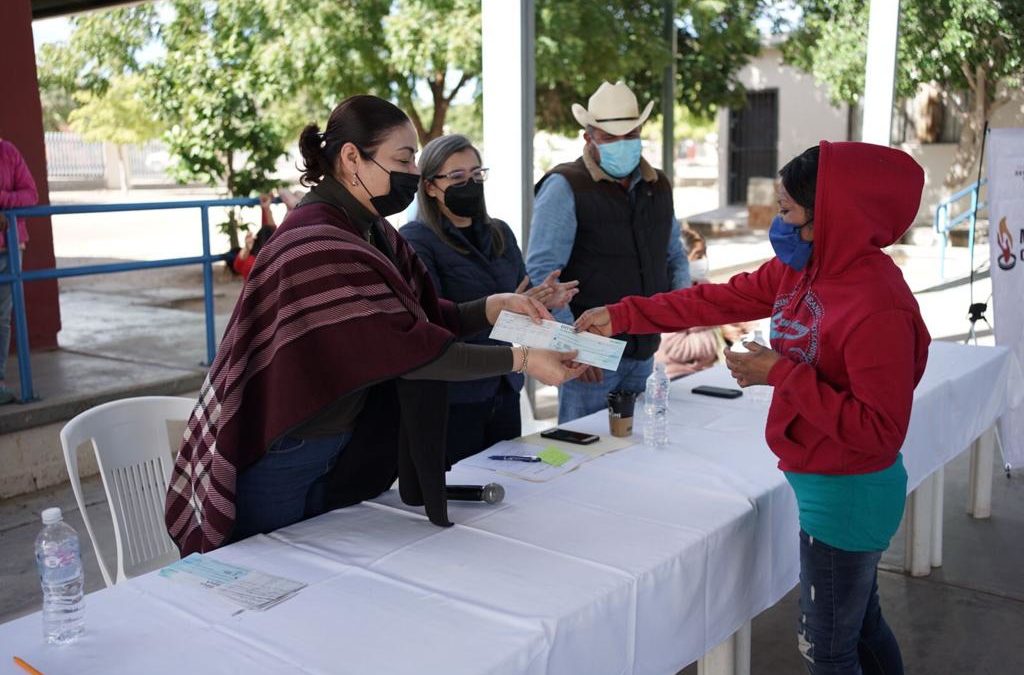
526, 359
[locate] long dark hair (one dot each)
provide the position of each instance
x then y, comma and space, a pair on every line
432, 158
362, 120
800, 178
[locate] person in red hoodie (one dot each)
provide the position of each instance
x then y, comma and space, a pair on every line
848, 346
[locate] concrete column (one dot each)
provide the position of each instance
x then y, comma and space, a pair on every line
508, 77
880, 71
21, 123
668, 96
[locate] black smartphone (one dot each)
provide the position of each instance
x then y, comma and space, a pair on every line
717, 392
567, 436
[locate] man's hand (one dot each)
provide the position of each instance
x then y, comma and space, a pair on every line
592, 375
551, 293
515, 302
751, 368
596, 320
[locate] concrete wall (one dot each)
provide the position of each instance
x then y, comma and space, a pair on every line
805, 114
32, 458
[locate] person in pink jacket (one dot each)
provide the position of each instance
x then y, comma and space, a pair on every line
16, 189
692, 349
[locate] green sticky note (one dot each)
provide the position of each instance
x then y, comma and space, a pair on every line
553, 456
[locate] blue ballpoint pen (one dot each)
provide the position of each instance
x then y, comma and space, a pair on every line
515, 458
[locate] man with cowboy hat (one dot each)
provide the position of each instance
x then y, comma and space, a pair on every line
607, 220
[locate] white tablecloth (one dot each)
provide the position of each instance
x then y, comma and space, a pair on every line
637, 562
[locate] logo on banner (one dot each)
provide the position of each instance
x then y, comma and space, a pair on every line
1006, 259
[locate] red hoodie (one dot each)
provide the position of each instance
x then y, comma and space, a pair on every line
853, 343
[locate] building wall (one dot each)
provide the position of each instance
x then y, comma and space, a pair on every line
805, 114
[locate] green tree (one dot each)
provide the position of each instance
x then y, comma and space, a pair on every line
120, 115
972, 46
102, 46
404, 50
215, 91
423, 53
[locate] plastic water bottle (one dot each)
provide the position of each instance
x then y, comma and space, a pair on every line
656, 408
761, 393
60, 573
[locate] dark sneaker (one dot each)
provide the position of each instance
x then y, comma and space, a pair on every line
6, 396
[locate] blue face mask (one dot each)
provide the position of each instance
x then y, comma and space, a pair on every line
789, 247
619, 158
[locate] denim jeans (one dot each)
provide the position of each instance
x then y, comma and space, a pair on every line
578, 399
286, 485
473, 427
841, 629
6, 302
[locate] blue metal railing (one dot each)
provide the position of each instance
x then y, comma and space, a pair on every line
944, 223
17, 277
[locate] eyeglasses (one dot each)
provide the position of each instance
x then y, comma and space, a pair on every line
461, 177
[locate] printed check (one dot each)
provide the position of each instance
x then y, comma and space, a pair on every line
594, 350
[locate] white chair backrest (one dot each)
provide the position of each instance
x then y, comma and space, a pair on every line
135, 453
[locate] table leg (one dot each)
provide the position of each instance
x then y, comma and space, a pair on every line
979, 493
920, 504
731, 657
743, 649
938, 499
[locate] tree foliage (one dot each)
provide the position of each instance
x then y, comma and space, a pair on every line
121, 114
215, 91
232, 79
965, 46
579, 45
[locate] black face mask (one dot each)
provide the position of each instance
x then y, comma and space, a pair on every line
466, 200
401, 192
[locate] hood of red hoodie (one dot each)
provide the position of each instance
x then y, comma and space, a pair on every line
866, 198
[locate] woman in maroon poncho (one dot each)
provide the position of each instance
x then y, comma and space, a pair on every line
330, 380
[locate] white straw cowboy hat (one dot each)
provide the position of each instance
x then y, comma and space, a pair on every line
612, 108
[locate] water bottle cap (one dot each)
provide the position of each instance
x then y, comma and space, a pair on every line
52, 515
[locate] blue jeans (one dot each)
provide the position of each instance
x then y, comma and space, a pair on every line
287, 485
841, 629
6, 302
578, 399
473, 427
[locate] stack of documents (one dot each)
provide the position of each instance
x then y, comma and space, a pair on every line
242, 586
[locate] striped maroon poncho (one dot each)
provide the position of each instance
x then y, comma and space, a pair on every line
323, 314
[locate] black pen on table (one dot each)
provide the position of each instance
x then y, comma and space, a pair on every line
515, 458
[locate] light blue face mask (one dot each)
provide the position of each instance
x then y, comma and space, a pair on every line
619, 158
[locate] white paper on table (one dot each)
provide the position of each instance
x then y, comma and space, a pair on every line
245, 587
260, 591
532, 471
594, 350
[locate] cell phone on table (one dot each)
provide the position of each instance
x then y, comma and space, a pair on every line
717, 392
577, 437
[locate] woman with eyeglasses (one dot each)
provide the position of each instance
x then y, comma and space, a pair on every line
469, 255
330, 381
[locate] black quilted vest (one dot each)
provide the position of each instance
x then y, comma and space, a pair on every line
621, 246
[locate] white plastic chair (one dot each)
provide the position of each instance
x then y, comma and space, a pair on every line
135, 455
